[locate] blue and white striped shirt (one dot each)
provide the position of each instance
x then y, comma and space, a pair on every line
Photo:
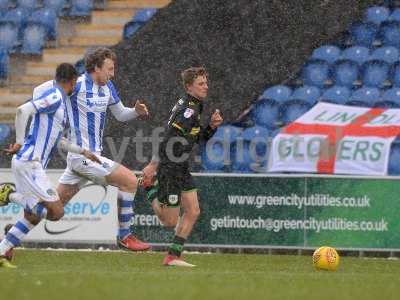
46, 127
86, 111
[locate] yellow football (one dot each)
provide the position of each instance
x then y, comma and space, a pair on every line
326, 258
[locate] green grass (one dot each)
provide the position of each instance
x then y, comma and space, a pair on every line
115, 275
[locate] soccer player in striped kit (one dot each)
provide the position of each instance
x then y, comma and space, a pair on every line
93, 96
34, 191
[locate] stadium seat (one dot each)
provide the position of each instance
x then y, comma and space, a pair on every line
214, 157
392, 95
394, 75
5, 131
4, 5
27, 4
279, 93
395, 15
48, 18
8, 36
18, 17
388, 54
293, 109
130, 29
394, 158
34, 39
365, 96
4, 62
377, 14
336, 94
358, 54
144, 15
315, 73
345, 73
386, 104
81, 8
80, 66
266, 113
227, 133
374, 73
328, 53
308, 94
55, 5
389, 33
258, 137
363, 34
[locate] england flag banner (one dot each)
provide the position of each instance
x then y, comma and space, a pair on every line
337, 139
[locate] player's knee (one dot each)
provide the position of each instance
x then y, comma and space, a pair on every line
55, 212
130, 184
169, 222
33, 219
194, 212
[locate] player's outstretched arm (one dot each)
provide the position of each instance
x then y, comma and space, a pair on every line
123, 113
70, 147
24, 111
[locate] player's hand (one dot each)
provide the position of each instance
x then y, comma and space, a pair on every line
216, 119
13, 148
148, 175
141, 109
91, 156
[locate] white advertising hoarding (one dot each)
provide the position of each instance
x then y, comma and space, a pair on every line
90, 217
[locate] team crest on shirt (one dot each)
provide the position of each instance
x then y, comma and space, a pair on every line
188, 113
51, 192
173, 199
180, 102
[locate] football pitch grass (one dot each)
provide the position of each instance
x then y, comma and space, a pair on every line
70, 275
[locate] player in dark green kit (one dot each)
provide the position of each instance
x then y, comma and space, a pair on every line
173, 186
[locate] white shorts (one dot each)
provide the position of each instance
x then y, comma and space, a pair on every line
80, 169
32, 182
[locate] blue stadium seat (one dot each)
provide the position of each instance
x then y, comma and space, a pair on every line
308, 94
80, 66
34, 39
363, 34
395, 15
389, 33
55, 5
392, 95
395, 74
27, 4
18, 17
358, 54
388, 54
4, 62
329, 53
386, 104
242, 159
227, 133
315, 73
144, 15
130, 29
345, 73
365, 96
336, 94
5, 131
258, 137
279, 93
394, 158
8, 36
377, 14
48, 18
375, 73
81, 8
293, 109
266, 113
4, 5
213, 157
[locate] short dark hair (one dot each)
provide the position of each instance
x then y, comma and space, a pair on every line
189, 75
66, 72
97, 57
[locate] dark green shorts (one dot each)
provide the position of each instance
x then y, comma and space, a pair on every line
168, 187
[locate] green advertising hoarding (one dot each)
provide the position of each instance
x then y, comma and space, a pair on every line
290, 211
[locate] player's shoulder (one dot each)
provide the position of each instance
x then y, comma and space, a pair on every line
42, 88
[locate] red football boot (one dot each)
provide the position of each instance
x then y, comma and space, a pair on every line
130, 242
173, 260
